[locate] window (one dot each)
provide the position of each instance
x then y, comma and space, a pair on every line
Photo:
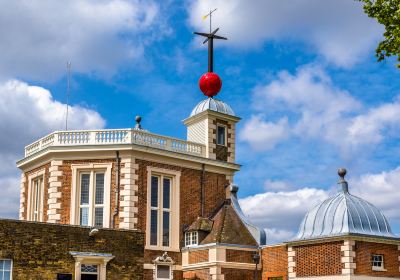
162, 220
5, 269
377, 262
91, 195
221, 135
91, 208
36, 197
163, 272
89, 272
160, 213
191, 238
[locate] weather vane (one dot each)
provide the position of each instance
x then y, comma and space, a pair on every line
210, 39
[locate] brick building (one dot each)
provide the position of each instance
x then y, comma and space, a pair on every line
344, 237
181, 195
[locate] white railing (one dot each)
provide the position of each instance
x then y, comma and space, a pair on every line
115, 136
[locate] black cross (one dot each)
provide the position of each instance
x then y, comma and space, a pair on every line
210, 39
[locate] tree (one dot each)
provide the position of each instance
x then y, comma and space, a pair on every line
387, 13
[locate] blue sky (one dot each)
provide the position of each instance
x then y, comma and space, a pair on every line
302, 76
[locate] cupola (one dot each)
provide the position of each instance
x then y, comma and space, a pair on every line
344, 214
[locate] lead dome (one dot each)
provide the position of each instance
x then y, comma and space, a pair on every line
344, 214
213, 105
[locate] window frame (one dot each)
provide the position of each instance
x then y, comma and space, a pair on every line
378, 268
83, 258
189, 236
11, 268
225, 134
39, 175
169, 271
92, 169
174, 215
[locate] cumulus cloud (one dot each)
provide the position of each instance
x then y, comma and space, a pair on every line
281, 212
271, 185
318, 110
39, 37
381, 189
28, 113
337, 30
264, 135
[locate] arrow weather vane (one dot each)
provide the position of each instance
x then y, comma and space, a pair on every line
210, 39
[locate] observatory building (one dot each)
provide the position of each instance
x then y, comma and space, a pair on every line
132, 204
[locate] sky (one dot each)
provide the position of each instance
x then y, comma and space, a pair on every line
301, 74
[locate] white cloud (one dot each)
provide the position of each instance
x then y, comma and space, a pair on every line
264, 135
39, 37
370, 127
270, 185
382, 190
282, 212
318, 110
28, 113
338, 30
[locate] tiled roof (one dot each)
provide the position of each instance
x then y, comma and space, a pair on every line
228, 228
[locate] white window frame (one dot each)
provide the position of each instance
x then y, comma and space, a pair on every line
378, 268
11, 267
170, 271
191, 238
93, 168
174, 210
32, 195
101, 262
225, 136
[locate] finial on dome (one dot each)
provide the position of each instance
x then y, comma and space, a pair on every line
342, 173
138, 119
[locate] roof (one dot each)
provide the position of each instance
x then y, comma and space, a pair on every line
229, 229
344, 214
230, 226
201, 224
213, 105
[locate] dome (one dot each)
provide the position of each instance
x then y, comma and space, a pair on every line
344, 214
213, 105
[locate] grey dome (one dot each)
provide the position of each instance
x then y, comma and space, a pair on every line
344, 214
213, 105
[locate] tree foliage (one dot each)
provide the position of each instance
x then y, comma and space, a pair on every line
387, 13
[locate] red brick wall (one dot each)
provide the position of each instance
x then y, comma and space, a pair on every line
200, 274
364, 251
274, 262
45, 188
189, 192
239, 274
66, 186
198, 256
318, 259
239, 256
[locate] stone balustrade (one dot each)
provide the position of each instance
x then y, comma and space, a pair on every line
112, 137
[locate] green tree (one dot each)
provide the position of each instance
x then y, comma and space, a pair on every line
387, 13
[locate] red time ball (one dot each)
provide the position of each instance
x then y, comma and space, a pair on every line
210, 84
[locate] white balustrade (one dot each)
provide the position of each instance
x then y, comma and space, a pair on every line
115, 136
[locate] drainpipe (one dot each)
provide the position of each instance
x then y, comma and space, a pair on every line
117, 192
202, 194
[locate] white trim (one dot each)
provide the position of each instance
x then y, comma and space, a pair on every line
96, 260
22, 200
174, 212
34, 176
92, 167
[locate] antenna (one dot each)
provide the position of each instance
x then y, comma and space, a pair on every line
68, 92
